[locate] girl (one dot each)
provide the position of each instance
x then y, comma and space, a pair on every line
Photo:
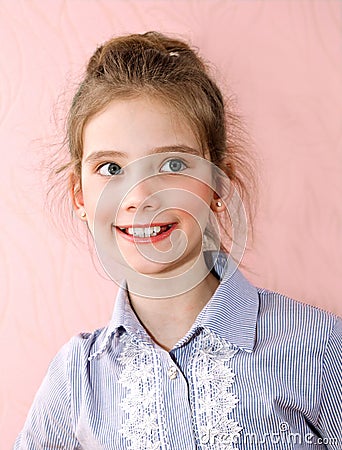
194, 357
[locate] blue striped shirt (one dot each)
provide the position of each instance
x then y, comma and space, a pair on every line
257, 370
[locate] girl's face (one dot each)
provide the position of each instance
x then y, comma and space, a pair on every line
145, 186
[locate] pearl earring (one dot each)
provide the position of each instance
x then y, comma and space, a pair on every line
218, 204
83, 214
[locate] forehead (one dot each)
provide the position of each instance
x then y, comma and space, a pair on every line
136, 127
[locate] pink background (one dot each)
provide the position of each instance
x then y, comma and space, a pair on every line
282, 59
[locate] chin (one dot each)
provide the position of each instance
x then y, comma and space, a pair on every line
153, 269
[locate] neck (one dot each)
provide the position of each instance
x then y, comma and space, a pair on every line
168, 319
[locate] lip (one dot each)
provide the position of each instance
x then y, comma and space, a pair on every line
147, 240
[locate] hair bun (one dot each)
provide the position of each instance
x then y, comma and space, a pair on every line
125, 48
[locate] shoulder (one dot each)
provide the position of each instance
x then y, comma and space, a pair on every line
80, 348
296, 321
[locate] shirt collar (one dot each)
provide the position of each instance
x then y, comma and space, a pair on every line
231, 312
233, 309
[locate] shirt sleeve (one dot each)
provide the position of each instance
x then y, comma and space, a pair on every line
330, 419
49, 423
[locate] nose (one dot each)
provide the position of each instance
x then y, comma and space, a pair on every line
144, 196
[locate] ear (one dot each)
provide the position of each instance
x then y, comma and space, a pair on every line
76, 194
217, 204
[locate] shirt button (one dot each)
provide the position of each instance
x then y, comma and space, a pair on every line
172, 372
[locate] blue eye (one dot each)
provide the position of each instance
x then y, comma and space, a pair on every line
173, 166
110, 169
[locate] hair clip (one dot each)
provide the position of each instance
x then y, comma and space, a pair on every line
174, 54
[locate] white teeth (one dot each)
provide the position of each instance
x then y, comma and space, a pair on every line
144, 232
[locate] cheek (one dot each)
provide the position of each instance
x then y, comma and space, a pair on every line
199, 187
96, 204
195, 203
198, 205
190, 197
201, 193
206, 193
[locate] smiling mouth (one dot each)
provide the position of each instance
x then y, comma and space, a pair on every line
146, 232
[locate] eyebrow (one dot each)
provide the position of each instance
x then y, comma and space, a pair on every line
116, 154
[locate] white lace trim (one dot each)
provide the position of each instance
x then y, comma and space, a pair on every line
213, 397
144, 419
